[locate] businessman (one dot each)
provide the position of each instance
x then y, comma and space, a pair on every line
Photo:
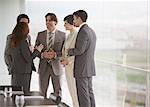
49, 65
84, 65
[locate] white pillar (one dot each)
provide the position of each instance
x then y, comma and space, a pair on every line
9, 10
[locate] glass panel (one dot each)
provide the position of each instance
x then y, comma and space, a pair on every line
121, 28
123, 52
120, 86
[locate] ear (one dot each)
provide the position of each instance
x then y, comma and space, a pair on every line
55, 23
79, 18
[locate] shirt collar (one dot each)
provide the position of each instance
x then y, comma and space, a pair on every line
82, 24
52, 31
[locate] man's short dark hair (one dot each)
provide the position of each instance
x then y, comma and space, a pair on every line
53, 16
22, 16
82, 14
69, 19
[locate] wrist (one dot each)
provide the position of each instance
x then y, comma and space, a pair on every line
42, 56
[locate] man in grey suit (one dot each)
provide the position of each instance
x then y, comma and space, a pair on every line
49, 65
84, 66
7, 56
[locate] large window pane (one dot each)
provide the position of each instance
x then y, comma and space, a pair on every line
122, 45
122, 52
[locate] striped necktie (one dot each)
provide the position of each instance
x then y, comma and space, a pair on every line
50, 40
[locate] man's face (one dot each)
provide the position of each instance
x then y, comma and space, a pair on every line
50, 23
76, 21
24, 20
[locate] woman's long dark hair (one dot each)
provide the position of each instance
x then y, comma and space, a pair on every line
19, 33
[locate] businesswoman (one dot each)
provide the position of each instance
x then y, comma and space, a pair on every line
21, 65
68, 62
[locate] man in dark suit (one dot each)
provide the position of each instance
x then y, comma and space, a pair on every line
84, 66
49, 65
7, 56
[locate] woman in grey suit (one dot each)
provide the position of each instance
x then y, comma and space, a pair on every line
21, 66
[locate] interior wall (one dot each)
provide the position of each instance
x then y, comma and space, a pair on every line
9, 10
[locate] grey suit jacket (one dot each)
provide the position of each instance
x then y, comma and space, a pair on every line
22, 58
58, 44
84, 65
7, 56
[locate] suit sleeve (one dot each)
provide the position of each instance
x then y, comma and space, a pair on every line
37, 43
59, 53
80, 45
26, 52
7, 55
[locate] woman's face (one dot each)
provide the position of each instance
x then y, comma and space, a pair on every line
67, 25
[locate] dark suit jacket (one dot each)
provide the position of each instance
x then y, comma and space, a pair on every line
84, 65
22, 58
58, 44
7, 56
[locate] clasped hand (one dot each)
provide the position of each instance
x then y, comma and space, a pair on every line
64, 61
49, 54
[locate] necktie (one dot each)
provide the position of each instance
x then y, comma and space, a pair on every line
50, 43
50, 40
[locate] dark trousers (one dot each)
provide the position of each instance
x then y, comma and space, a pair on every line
22, 80
85, 92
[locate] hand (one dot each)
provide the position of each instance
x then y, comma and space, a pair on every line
45, 54
40, 47
64, 61
49, 54
31, 47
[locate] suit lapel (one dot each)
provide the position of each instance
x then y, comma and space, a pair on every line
82, 27
55, 38
45, 38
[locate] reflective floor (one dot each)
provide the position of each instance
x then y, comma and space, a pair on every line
113, 87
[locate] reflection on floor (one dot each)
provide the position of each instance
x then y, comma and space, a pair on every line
104, 83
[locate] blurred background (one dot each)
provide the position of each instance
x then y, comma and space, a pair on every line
122, 51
